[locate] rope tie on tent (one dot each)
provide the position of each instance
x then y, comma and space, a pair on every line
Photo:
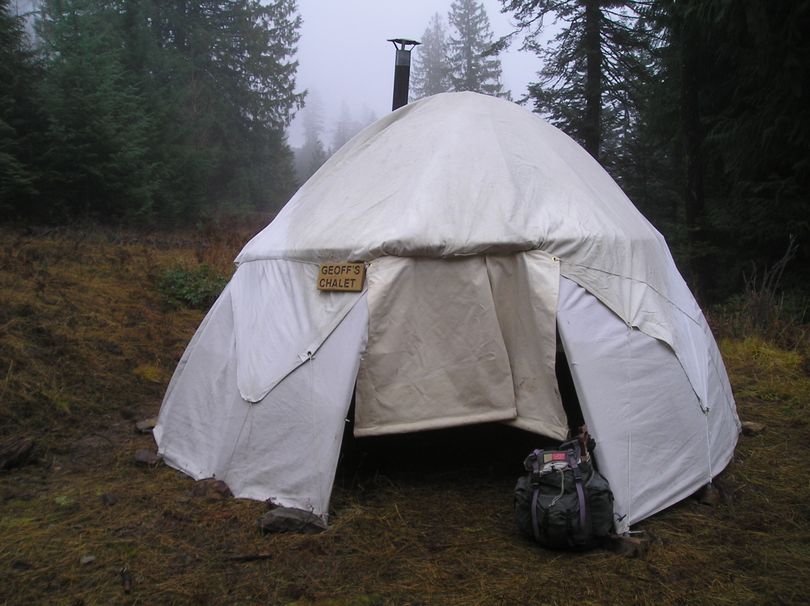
309, 357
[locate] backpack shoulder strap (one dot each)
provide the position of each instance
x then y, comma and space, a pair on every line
534, 463
535, 521
583, 504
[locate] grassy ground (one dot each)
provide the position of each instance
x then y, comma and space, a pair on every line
87, 344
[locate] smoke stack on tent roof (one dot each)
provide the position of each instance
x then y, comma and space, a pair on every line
402, 70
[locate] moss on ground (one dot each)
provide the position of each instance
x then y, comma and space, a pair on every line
87, 345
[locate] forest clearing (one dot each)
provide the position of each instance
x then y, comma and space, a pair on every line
89, 336
588, 242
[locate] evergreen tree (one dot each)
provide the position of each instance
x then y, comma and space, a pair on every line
741, 127
167, 109
99, 127
368, 116
312, 153
756, 118
346, 128
431, 74
647, 163
681, 64
588, 83
20, 118
471, 64
224, 91
698, 115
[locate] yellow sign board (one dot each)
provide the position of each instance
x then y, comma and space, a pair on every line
344, 277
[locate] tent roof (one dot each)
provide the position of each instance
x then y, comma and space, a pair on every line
458, 174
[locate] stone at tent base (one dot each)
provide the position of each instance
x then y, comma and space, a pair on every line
630, 546
211, 488
751, 428
289, 519
16, 452
146, 425
710, 494
147, 457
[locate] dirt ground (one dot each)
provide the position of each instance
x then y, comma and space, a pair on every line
87, 345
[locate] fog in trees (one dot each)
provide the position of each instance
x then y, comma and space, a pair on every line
471, 62
322, 139
310, 156
430, 73
157, 111
345, 128
131, 112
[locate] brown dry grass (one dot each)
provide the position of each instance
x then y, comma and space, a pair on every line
87, 345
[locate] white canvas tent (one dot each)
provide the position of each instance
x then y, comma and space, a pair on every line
484, 230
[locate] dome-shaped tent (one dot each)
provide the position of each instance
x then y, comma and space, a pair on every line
484, 231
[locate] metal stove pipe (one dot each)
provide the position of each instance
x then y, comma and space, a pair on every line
402, 70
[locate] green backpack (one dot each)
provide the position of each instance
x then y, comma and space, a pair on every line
563, 502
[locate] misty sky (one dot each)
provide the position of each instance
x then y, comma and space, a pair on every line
345, 58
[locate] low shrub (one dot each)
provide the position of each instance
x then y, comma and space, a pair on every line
764, 309
196, 288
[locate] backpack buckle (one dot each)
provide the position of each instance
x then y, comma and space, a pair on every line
533, 464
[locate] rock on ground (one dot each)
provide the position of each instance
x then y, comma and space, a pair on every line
289, 519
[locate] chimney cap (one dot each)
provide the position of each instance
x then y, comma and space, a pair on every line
403, 42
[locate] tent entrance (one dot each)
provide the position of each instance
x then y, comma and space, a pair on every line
493, 446
467, 453
568, 391
460, 341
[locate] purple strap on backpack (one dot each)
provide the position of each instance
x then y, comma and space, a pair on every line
538, 455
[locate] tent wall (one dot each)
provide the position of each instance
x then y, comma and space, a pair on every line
280, 317
657, 442
653, 436
284, 447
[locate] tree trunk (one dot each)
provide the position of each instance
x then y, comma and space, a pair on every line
692, 135
592, 126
